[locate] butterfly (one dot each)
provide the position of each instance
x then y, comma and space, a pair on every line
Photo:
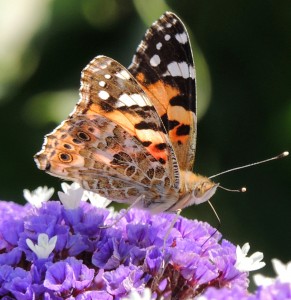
133, 131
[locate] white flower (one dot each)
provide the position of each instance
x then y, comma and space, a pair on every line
96, 199
38, 196
44, 246
246, 264
72, 195
134, 295
282, 271
261, 280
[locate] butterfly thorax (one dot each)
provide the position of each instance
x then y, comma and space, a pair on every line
194, 189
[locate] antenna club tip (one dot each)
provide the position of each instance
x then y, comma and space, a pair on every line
243, 189
285, 153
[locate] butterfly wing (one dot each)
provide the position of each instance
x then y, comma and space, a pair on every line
113, 143
163, 65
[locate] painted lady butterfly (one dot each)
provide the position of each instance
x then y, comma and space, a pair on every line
133, 132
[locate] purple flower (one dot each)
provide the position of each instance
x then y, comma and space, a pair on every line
143, 235
12, 211
236, 293
12, 258
125, 279
18, 282
57, 252
68, 277
10, 230
155, 261
110, 253
93, 295
275, 291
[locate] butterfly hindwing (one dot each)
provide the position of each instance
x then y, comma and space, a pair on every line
163, 65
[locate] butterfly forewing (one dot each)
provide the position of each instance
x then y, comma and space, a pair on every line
163, 65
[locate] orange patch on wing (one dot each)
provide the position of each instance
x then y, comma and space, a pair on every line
180, 114
155, 138
183, 139
124, 120
158, 154
184, 117
159, 93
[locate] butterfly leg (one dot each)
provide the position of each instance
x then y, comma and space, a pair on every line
165, 261
138, 199
177, 214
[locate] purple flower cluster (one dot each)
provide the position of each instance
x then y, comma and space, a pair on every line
275, 291
55, 253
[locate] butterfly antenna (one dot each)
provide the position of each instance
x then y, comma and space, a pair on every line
241, 190
284, 154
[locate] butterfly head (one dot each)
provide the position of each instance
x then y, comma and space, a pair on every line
197, 189
194, 189
203, 191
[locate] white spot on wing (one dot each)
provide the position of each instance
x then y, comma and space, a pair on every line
103, 65
139, 99
155, 60
103, 95
126, 100
107, 76
123, 75
184, 69
158, 27
181, 69
102, 83
181, 38
132, 99
192, 72
159, 46
167, 37
168, 25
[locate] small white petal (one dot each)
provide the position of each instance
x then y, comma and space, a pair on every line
72, 196
97, 200
44, 246
247, 264
246, 248
283, 271
66, 187
38, 196
134, 295
42, 239
261, 280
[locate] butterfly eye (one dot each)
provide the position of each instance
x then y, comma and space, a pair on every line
65, 157
83, 136
197, 191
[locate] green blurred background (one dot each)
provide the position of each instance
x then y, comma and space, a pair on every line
242, 54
